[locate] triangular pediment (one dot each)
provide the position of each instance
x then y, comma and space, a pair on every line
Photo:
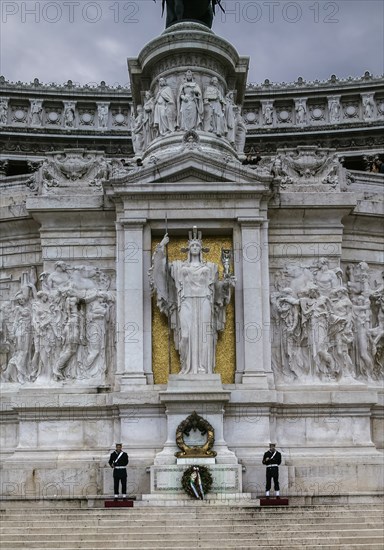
195, 166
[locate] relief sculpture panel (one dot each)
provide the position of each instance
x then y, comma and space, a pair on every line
59, 327
327, 327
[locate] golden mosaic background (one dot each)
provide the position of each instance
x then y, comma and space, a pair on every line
226, 344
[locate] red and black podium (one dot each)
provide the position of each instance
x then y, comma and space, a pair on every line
273, 501
119, 503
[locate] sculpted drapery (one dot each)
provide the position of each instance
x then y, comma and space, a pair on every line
195, 300
190, 104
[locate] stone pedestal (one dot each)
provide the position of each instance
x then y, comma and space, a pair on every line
203, 394
166, 480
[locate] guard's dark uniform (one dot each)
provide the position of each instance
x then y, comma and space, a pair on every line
272, 468
119, 464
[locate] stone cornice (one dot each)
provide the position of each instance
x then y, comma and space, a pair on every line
70, 88
333, 85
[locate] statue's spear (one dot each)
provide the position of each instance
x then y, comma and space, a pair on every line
169, 308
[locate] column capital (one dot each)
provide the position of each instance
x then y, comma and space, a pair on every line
133, 223
256, 221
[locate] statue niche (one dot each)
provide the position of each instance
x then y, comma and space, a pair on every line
194, 300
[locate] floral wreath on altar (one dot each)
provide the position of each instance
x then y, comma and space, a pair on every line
197, 481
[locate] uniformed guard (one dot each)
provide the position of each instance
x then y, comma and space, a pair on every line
118, 461
272, 459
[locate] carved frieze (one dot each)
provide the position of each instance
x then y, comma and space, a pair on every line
59, 327
306, 166
328, 328
183, 103
75, 169
188, 60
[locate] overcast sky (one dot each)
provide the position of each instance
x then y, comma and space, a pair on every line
88, 41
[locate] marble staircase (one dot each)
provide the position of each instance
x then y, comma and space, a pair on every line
326, 527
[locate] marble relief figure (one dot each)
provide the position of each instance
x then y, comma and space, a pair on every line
192, 296
36, 113
214, 116
62, 332
137, 124
3, 111
240, 130
148, 112
190, 104
327, 329
21, 339
164, 117
230, 117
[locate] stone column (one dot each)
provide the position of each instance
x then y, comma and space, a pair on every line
253, 322
265, 296
130, 302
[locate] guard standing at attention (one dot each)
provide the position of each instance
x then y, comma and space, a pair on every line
272, 459
118, 461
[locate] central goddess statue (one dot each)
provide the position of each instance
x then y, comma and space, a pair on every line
194, 300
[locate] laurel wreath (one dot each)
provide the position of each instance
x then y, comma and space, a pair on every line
206, 480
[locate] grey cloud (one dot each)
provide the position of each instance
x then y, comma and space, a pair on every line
345, 39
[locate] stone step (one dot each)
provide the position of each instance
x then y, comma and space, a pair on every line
235, 546
252, 546
204, 523
236, 528
184, 510
236, 543
170, 522
135, 512
116, 519
169, 527
330, 543
99, 536
96, 536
